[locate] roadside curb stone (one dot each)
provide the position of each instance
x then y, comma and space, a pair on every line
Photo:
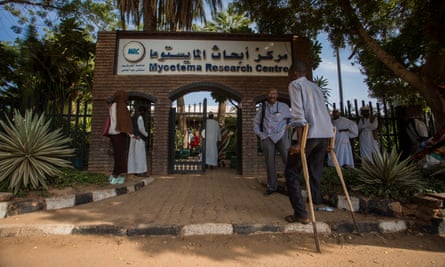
35, 229
322, 228
392, 226
207, 229
348, 227
154, 230
368, 227
197, 229
103, 194
246, 229
83, 198
3, 209
60, 202
102, 229
25, 206
343, 204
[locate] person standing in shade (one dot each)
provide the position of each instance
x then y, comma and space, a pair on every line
418, 134
307, 107
137, 156
271, 126
345, 130
120, 129
212, 135
366, 125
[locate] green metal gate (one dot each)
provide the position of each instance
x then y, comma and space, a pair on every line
182, 158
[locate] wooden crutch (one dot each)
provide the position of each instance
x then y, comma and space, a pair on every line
340, 176
308, 187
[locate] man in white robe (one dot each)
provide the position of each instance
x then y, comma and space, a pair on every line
137, 156
345, 130
212, 136
366, 125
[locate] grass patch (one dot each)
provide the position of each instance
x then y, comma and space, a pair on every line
71, 177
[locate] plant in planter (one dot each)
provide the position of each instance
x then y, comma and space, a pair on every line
331, 184
30, 152
434, 177
385, 176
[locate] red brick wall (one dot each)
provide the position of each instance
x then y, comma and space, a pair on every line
161, 87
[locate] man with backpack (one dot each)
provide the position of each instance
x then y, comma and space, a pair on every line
271, 126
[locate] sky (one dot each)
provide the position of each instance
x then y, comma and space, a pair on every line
353, 83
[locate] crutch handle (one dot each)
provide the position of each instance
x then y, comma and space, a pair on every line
331, 144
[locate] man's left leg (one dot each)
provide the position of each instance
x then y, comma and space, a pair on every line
316, 154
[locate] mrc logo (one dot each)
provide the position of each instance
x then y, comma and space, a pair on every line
134, 51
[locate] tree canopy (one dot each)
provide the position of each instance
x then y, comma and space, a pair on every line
54, 58
398, 43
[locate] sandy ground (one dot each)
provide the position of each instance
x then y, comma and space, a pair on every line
402, 249
220, 197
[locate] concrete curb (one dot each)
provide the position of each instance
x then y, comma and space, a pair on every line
10, 230
20, 207
59, 202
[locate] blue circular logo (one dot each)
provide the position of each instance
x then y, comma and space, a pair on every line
134, 51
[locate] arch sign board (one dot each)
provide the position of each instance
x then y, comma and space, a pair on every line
203, 57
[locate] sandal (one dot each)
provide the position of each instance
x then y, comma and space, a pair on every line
293, 219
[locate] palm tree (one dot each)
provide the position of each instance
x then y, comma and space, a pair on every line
322, 82
230, 22
166, 15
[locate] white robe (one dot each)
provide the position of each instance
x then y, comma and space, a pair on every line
137, 157
212, 136
366, 139
343, 148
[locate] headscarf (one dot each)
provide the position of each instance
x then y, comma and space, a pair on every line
123, 119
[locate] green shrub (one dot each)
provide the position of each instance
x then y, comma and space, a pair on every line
434, 177
330, 183
386, 176
70, 177
30, 151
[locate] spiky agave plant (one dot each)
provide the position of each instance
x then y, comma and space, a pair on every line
30, 151
386, 176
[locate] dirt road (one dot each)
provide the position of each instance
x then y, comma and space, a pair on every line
402, 249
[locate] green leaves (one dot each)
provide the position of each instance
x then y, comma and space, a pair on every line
386, 176
30, 151
229, 21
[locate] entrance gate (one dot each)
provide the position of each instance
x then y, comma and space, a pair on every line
184, 158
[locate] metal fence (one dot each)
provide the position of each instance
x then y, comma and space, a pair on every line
390, 121
74, 118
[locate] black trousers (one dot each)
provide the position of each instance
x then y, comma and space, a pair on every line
316, 150
119, 142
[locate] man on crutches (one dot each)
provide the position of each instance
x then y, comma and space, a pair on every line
308, 108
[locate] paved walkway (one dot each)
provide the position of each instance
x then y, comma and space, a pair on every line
210, 202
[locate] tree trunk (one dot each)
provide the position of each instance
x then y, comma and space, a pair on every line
149, 15
423, 83
182, 122
222, 113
